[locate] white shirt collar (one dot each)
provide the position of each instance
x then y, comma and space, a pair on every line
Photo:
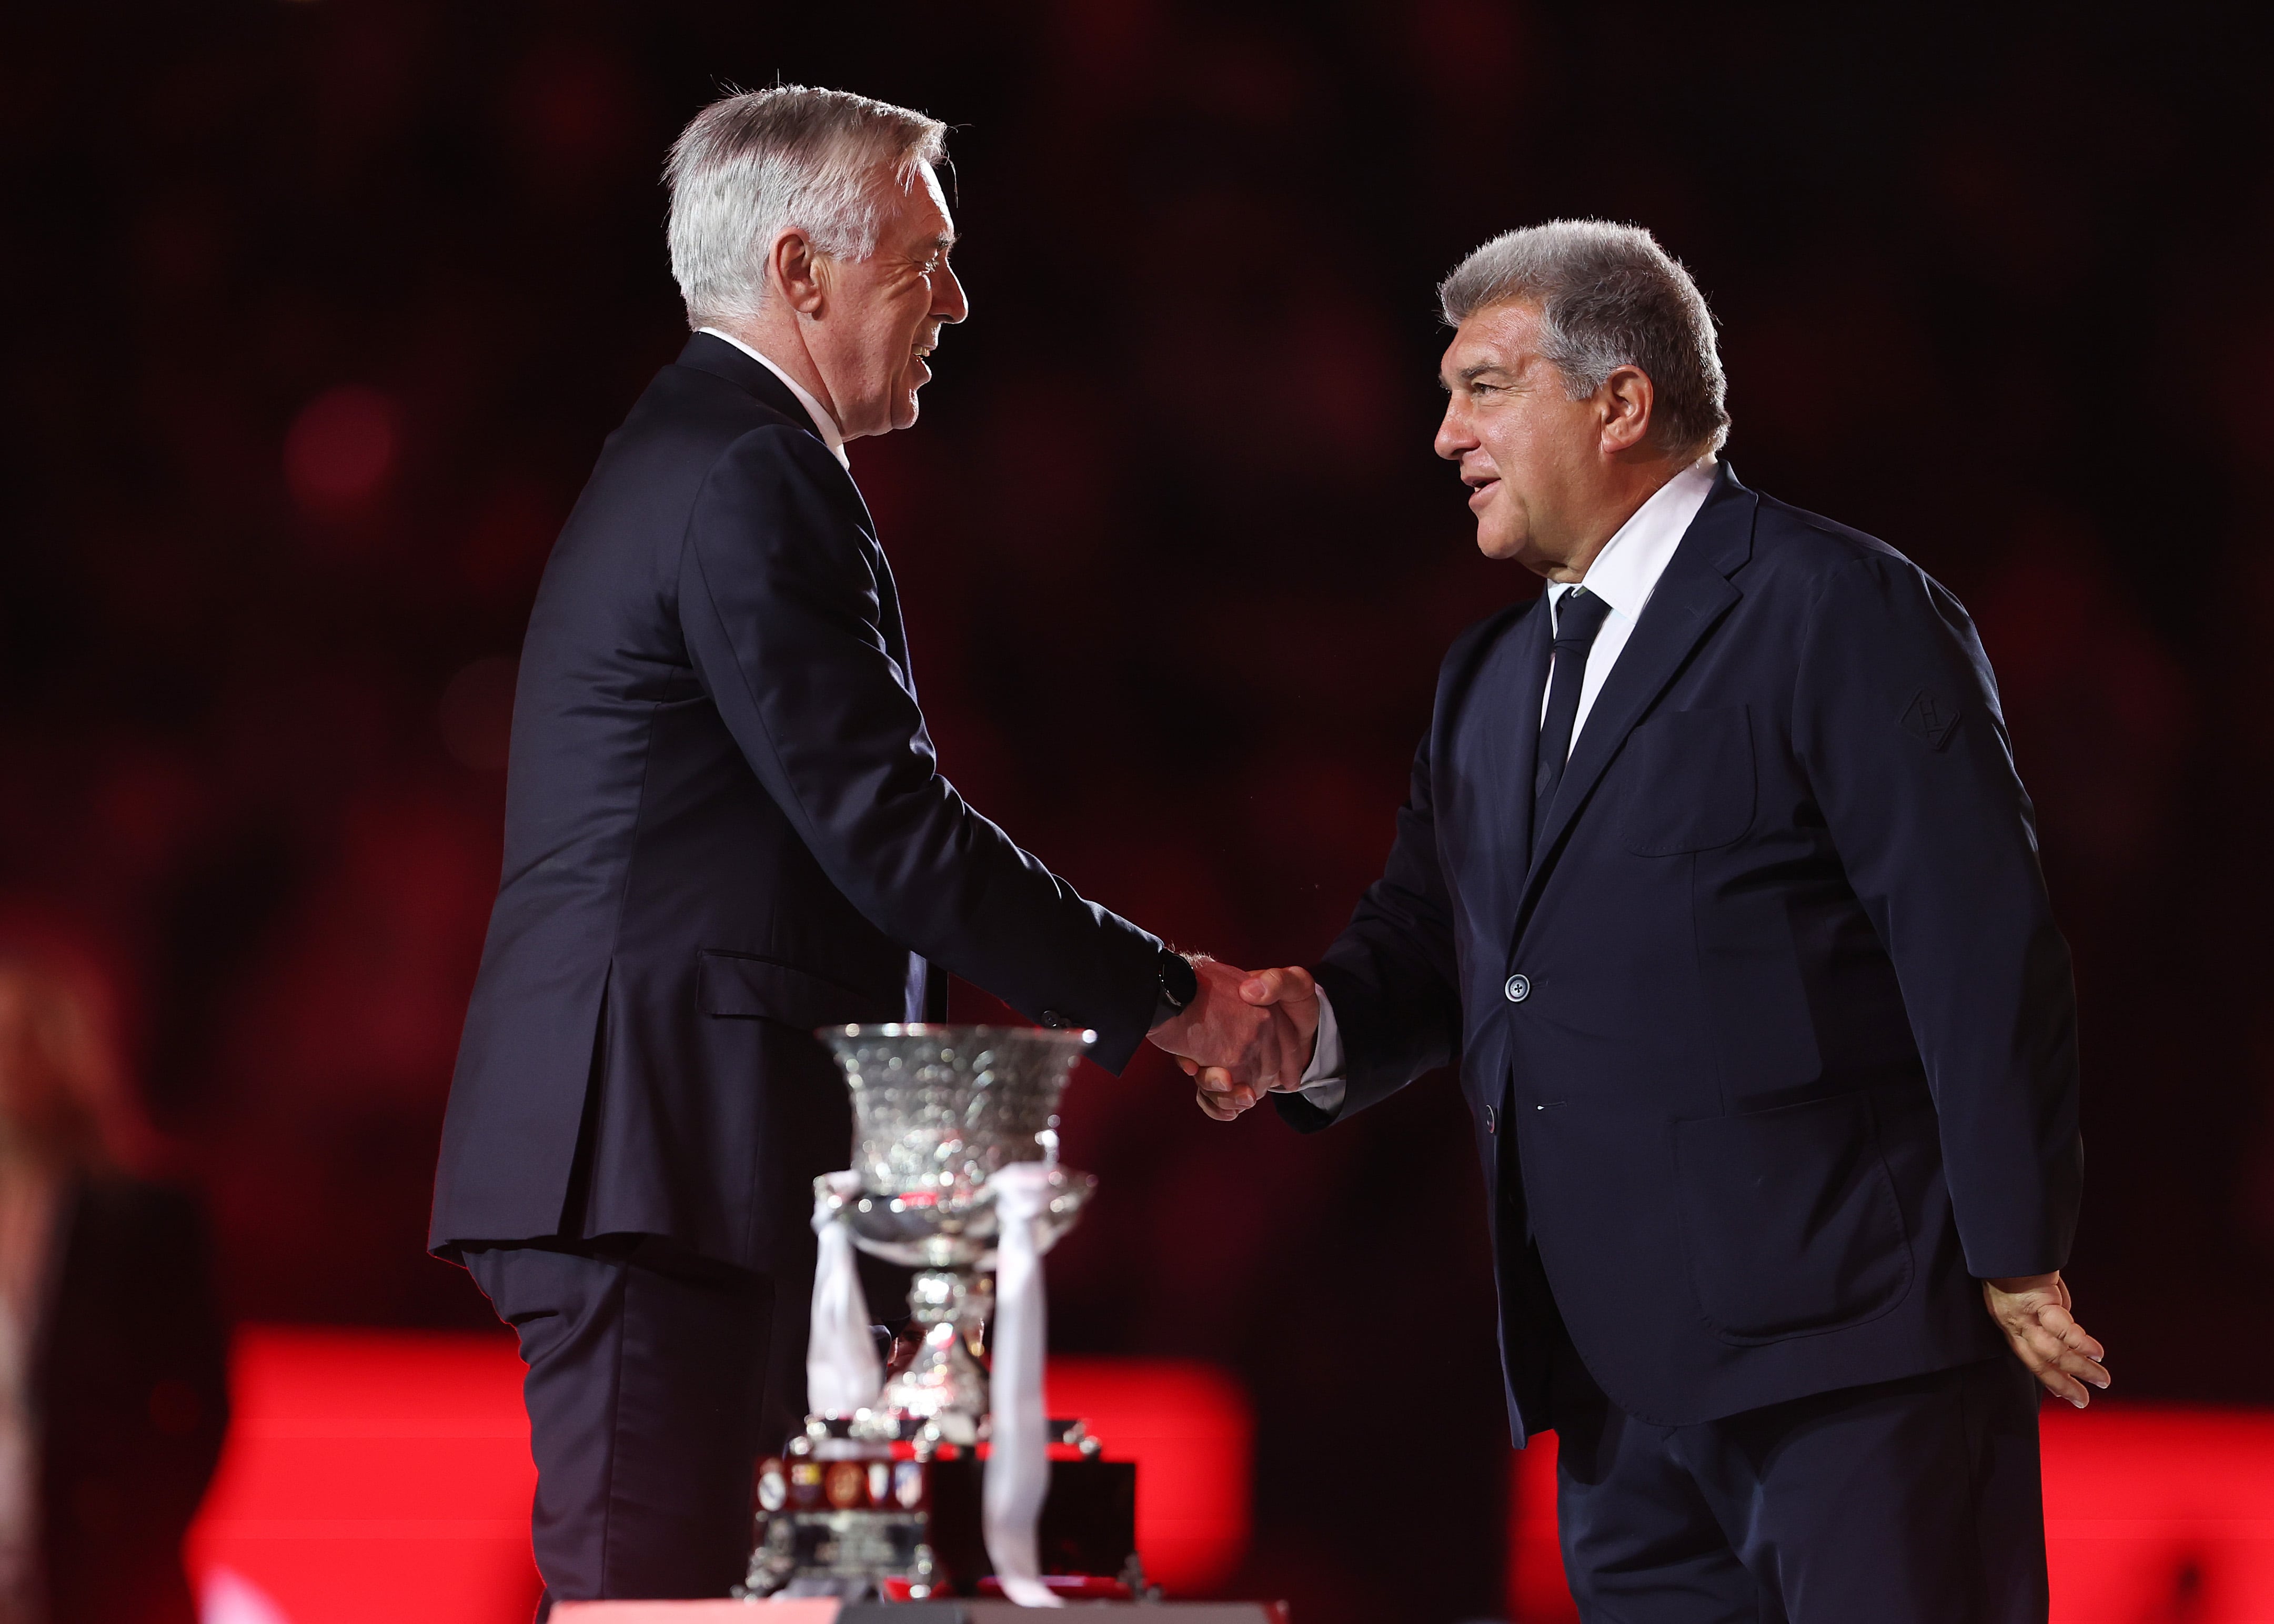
1625, 573
824, 425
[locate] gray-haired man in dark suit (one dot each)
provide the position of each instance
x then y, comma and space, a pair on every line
725, 827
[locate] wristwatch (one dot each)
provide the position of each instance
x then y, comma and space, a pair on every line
1181, 984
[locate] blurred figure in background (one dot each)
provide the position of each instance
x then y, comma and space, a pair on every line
113, 1394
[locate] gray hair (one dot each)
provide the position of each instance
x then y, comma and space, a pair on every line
1609, 296
748, 167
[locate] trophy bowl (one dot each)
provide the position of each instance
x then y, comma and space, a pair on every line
937, 1108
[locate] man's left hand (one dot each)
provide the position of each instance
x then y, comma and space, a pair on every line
2033, 1310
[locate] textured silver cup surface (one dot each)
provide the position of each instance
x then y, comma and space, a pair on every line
938, 1109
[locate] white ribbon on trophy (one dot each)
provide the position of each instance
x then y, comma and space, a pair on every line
1018, 1460
842, 1372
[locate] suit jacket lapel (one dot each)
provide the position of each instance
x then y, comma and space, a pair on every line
888, 612
1512, 677
1690, 596
706, 352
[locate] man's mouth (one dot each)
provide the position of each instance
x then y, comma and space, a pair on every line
1480, 486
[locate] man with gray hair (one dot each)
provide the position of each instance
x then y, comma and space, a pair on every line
1716, 875
725, 827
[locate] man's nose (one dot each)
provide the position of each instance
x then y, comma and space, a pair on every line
948, 301
1453, 436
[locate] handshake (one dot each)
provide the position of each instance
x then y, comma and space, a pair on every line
1245, 1034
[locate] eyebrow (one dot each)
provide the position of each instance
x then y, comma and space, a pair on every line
1470, 374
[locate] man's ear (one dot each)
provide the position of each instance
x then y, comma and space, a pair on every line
1629, 403
795, 267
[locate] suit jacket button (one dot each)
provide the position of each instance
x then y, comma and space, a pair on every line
1519, 988
1492, 1120
1055, 1021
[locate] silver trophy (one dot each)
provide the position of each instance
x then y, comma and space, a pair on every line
938, 1111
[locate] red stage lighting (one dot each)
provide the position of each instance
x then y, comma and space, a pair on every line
373, 1476
370, 1477
341, 449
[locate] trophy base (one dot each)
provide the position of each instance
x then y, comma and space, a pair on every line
871, 1522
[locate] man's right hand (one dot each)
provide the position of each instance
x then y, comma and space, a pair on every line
1291, 999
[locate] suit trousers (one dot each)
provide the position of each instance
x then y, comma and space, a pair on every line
1915, 1501
649, 1408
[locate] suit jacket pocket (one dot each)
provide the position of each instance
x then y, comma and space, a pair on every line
1689, 782
1789, 1220
745, 985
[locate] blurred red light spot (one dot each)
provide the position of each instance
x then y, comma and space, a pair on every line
2159, 1511
1536, 1591
341, 449
574, 105
371, 1477
1189, 1428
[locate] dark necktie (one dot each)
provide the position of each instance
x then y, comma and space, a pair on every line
1577, 618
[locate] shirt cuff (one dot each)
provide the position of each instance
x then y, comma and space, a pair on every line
1323, 1084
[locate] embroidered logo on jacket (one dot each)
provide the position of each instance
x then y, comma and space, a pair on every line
1931, 719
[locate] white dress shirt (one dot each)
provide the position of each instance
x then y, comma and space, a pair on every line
1624, 575
824, 425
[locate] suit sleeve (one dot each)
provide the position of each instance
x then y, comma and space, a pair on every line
1390, 975
1896, 722
781, 602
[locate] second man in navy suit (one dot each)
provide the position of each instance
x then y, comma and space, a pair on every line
1717, 877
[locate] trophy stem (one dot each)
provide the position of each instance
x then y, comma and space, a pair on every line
944, 1384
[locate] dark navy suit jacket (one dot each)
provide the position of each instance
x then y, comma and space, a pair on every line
725, 827
1771, 1047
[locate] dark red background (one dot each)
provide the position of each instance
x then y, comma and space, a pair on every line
317, 311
